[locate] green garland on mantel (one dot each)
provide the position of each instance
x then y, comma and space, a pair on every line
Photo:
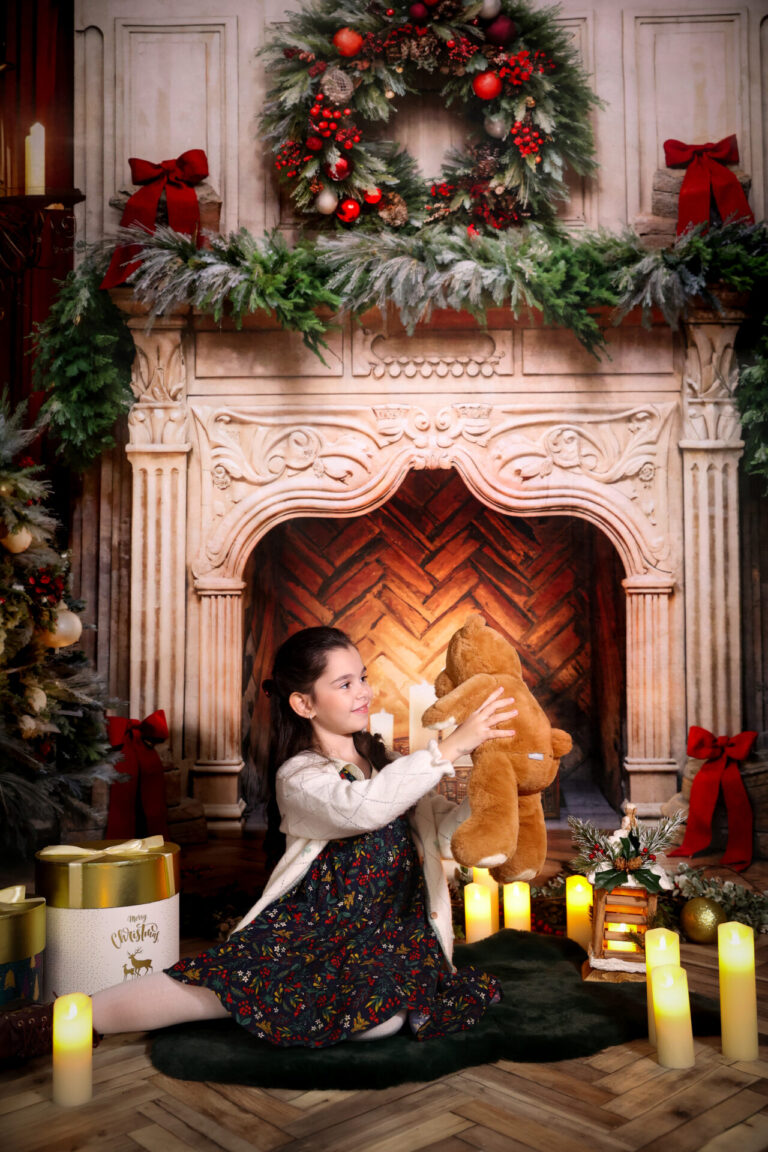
564, 278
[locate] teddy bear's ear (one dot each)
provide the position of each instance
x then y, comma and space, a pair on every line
561, 742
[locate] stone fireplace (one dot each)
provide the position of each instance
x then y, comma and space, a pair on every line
237, 432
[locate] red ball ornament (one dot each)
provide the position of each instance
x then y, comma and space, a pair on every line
418, 12
347, 42
372, 196
340, 170
487, 85
348, 211
314, 143
501, 31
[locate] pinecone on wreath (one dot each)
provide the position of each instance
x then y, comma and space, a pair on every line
394, 210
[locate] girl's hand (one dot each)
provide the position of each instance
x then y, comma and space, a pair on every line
480, 726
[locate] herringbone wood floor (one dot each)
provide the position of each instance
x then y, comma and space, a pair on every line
617, 1101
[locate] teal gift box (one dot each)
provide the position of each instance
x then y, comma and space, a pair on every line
22, 944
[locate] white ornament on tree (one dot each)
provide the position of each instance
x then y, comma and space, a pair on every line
489, 9
27, 726
326, 202
68, 629
36, 699
496, 126
17, 541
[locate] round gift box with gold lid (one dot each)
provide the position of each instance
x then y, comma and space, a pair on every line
112, 911
22, 944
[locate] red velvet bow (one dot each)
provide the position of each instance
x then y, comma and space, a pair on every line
176, 177
722, 754
145, 787
706, 177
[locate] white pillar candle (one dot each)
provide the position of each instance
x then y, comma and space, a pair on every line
738, 991
672, 1016
517, 905
34, 161
578, 902
420, 697
383, 724
661, 947
72, 1049
477, 912
483, 876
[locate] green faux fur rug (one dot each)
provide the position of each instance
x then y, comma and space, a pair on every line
547, 1013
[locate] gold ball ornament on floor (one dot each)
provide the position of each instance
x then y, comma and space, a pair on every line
68, 629
699, 919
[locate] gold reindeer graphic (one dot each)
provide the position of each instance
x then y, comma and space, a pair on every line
139, 966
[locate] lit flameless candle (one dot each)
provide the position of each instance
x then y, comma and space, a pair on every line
383, 724
477, 912
72, 1049
34, 161
420, 697
517, 906
483, 876
672, 1016
578, 902
738, 991
662, 947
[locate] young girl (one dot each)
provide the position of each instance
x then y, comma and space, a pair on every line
352, 934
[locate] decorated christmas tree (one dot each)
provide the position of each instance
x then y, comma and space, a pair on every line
53, 739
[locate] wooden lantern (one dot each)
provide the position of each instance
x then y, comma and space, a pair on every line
613, 954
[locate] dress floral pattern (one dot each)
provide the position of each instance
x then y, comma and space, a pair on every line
343, 951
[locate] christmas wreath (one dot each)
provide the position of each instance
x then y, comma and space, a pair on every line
335, 70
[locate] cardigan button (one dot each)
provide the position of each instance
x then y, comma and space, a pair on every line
433, 915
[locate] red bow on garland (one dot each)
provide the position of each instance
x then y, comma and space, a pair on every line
141, 763
706, 177
722, 754
177, 178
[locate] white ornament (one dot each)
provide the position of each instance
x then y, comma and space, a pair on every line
36, 698
28, 726
68, 629
326, 202
489, 9
495, 126
17, 541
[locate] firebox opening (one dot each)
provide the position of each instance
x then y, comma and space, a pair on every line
400, 580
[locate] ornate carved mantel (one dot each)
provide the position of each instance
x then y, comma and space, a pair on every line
234, 432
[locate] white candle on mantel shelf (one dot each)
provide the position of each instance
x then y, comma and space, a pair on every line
738, 991
72, 1050
420, 697
578, 903
661, 947
672, 1016
483, 876
34, 161
383, 724
477, 912
517, 905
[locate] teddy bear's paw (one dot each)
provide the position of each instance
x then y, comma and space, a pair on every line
439, 725
492, 861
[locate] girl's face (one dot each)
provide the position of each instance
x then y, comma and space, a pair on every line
340, 699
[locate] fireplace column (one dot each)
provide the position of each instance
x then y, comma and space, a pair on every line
217, 770
158, 452
651, 768
711, 448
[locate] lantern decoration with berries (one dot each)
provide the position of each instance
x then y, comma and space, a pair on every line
498, 52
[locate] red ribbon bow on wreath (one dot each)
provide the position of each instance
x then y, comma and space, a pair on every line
707, 177
177, 177
722, 754
145, 785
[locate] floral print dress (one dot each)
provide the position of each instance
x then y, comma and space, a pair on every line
344, 950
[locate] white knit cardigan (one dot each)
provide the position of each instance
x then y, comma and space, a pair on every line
318, 805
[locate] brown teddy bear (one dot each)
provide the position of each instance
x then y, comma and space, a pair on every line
506, 830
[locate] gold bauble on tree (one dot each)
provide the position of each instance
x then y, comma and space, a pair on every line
68, 629
17, 541
699, 919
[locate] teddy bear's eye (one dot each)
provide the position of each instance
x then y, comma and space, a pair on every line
535, 755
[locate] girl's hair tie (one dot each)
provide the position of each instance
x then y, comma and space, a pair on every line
269, 687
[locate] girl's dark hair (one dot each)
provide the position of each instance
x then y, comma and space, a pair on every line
298, 664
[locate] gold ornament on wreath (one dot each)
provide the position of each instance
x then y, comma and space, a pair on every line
512, 69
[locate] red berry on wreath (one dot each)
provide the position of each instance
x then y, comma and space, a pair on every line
348, 211
487, 85
340, 170
347, 42
501, 31
418, 12
372, 196
314, 143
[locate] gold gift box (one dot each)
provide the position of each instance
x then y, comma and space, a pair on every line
22, 925
107, 873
